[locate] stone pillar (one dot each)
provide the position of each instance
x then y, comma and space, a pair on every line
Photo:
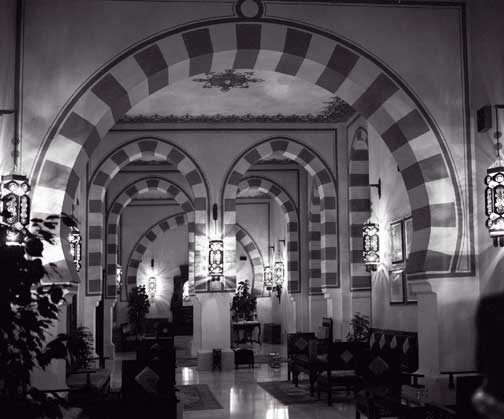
89, 318
215, 329
446, 332
196, 341
334, 300
108, 319
317, 307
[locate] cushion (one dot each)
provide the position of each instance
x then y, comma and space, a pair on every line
148, 380
99, 379
378, 366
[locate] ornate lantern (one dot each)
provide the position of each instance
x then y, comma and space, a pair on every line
494, 192
75, 239
15, 206
216, 258
152, 284
118, 278
279, 271
371, 239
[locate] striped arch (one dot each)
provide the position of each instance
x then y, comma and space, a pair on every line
314, 243
109, 167
254, 256
122, 201
359, 207
267, 44
291, 216
288, 148
169, 223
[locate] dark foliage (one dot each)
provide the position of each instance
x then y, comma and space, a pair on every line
138, 307
27, 310
244, 302
360, 328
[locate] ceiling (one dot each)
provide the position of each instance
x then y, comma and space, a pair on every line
266, 93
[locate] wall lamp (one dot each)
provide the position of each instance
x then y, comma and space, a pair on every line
371, 245
268, 271
494, 179
279, 270
152, 284
377, 186
75, 240
215, 252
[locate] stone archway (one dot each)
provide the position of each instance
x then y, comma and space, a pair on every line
254, 256
307, 158
107, 169
169, 223
271, 44
122, 200
359, 207
286, 203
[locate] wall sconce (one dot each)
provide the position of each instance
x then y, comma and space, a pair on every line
75, 239
268, 271
371, 242
15, 206
377, 186
119, 272
494, 192
215, 252
279, 271
152, 284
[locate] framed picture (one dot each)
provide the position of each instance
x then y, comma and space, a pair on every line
397, 241
396, 279
411, 297
408, 235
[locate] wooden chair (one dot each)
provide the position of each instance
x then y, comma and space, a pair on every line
298, 345
379, 395
339, 368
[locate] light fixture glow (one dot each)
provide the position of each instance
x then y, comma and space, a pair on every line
268, 277
16, 205
152, 283
118, 278
371, 245
216, 258
75, 240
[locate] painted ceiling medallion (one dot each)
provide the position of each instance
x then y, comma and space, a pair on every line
228, 79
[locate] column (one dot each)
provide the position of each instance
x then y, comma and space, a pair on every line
89, 315
108, 319
334, 301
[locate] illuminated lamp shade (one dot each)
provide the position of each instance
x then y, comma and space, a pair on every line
15, 206
279, 273
268, 277
75, 240
494, 202
152, 287
216, 258
118, 278
371, 245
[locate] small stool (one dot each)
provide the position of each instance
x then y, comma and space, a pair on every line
216, 359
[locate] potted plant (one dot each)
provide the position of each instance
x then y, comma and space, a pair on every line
138, 307
360, 329
244, 303
27, 309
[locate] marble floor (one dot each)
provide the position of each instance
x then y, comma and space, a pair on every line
242, 398
240, 395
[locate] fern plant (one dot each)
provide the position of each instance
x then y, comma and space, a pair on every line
138, 307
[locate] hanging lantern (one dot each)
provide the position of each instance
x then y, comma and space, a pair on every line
494, 192
15, 206
371, 239
118, 278
216, 259
152, 283
279, 273
75, 240
268, 277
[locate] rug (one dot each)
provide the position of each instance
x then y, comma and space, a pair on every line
287, 393
197, 397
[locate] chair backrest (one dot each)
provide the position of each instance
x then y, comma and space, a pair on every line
344, 355
380, 370
403, 344
299, 343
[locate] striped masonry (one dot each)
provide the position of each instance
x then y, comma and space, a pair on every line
289, 48
315, 286
122, 200
254, 256
283, 199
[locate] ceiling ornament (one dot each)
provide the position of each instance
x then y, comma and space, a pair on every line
228, 80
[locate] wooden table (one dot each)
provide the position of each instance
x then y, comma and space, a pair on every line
246, 329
